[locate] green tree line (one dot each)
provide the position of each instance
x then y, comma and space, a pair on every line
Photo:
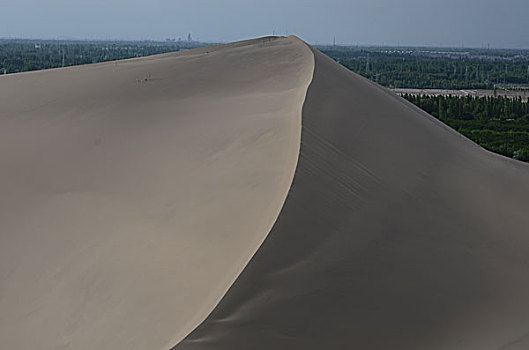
24, 55
413, 68
498, 124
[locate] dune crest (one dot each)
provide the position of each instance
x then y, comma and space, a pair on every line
133, 193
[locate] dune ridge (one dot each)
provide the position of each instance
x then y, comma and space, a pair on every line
133, 193
255, 195
397, 233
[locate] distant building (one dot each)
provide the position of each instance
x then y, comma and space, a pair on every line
189, 38
37, 45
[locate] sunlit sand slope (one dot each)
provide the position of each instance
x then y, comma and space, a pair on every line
397, 233
133, 193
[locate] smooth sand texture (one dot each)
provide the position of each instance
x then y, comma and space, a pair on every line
133, 193
397, 233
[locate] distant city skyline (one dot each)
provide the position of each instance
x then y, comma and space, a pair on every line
451, 23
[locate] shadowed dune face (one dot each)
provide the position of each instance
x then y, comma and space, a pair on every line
133, 193
397, 233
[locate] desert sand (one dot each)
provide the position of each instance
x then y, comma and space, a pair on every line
251, 196
133, 193
398, 233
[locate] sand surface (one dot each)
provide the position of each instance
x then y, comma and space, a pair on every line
397, 233
133, 193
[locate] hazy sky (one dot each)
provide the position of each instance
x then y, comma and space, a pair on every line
405, 22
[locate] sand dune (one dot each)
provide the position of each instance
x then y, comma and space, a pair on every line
134, 193
397, 233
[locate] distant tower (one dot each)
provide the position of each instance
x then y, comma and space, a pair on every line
63, 57
334, 41
466, 74
367, 63
189, 38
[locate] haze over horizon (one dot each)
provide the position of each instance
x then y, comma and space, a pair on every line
471, 23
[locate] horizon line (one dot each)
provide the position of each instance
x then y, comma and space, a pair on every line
330, 44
